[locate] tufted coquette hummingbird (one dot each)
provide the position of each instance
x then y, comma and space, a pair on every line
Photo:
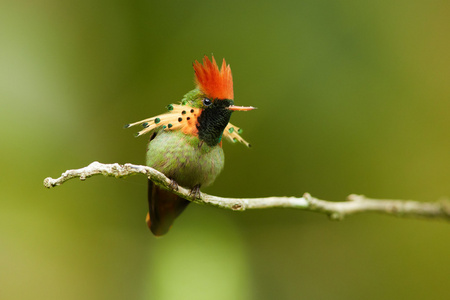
186, 142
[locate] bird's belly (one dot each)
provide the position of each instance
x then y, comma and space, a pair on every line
184, 158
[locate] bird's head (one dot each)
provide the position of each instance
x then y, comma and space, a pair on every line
214, 85
214, 96
206, 110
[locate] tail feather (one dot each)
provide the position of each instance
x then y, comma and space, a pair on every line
164, 208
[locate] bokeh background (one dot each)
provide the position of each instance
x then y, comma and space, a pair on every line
353, 97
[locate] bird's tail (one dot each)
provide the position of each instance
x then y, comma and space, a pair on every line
164, 207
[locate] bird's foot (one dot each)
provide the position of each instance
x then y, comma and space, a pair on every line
173, 185
195, 192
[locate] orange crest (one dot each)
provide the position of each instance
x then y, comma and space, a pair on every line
212, 82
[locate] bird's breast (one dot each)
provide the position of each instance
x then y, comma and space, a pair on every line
185, 158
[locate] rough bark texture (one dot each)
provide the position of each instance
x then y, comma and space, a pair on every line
335, 210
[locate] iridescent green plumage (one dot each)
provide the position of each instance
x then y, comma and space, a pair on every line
185, 158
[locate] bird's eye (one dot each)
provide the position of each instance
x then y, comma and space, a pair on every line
207, 102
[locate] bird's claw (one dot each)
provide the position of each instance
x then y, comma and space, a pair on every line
173, 185
195, 192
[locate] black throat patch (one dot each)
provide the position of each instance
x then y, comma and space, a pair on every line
213, 120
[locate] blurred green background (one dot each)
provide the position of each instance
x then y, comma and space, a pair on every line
353, 97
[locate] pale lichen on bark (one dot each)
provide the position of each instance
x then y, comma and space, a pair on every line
335, 210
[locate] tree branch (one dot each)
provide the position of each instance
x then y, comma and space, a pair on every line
335, 210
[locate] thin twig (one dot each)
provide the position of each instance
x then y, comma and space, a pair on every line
335, 210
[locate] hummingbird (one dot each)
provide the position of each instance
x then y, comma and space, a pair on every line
186, 142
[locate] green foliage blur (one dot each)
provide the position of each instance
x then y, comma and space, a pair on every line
353, 97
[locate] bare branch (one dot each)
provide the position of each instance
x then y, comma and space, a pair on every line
335, 210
